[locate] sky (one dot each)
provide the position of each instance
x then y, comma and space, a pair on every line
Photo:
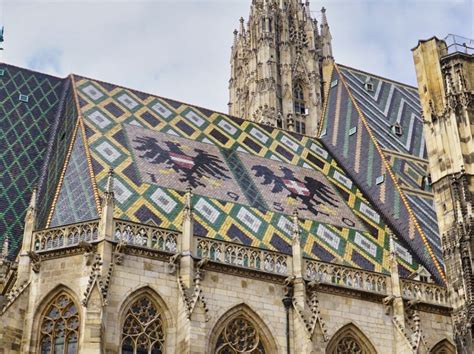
180, 49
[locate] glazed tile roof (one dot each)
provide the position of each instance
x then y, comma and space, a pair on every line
247, 178
388, 167
25, 129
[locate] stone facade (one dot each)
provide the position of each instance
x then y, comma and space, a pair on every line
106, 266
445, 72
277, 62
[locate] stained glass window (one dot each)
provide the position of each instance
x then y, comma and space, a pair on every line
60, 327
143, 331
239, 336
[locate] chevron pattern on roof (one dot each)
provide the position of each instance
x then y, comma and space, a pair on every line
346, 136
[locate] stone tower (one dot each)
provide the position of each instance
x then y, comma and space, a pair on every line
276, 65
445, 73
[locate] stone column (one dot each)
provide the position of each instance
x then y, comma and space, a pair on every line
95, 311
301, 339
402, 345
24, 260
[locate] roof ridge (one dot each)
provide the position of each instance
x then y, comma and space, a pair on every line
33, 71
392, 176
191, 105
80, 120
378, 76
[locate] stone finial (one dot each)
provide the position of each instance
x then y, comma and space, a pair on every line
393, 251
296, 226
188, 207
34, 193
324, 20
5, 246
110, 182
242, 27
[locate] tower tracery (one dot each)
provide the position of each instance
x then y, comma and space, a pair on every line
280, 49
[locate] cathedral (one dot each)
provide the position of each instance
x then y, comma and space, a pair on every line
330, 211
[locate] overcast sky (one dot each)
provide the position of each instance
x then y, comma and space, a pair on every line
181, 48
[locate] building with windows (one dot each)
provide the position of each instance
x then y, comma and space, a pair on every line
302, 222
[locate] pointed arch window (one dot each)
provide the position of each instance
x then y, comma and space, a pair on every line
239, 336
350, 340
299, 99
299, 107
143, 330
443, 347
59, 330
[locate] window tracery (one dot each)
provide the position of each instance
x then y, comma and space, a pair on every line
299, 106
239, 336
59, 331
143, 330
348, 345
350, 340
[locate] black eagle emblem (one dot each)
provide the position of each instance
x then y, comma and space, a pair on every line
310, 192
191, 168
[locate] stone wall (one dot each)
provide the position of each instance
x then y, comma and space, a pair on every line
252, 294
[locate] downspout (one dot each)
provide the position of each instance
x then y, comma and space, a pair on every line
287, 302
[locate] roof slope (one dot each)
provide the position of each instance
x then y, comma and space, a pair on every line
25, 129
388, 104
246, 177
357, 130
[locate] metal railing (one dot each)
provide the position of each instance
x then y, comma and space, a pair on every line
458, 44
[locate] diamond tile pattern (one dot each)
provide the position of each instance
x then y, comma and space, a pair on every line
25, 129
242, 207
244, 217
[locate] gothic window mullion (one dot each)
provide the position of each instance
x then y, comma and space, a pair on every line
142, 331
59, 330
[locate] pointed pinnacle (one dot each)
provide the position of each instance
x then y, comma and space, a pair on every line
296, 228
5, 247
110, 181
33, 198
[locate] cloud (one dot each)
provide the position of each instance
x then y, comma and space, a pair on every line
181, 49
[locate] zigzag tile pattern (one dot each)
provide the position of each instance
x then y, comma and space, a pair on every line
76, 190
384, 106
390, 103
61, 137
25, 128
114, 116
348, 140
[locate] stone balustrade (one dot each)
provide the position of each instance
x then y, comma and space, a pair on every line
242, 256
345, 276
424, 292
146, 236
238, 255
65, 236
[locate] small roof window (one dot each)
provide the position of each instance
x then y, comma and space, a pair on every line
380, 179
397, 129
368, 85
352, 131
23, 98
2, 72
